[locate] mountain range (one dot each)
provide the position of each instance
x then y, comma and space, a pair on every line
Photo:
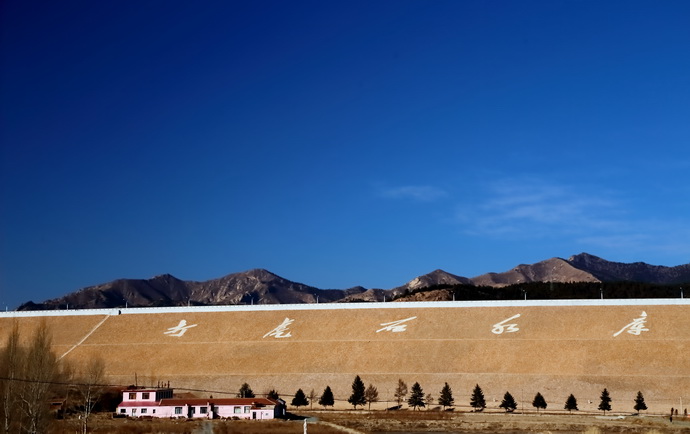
260, 286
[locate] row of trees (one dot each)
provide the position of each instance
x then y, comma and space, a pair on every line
360, 396
554, 290
366, 396
32, 374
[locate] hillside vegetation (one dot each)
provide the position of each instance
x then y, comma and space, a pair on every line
545, 291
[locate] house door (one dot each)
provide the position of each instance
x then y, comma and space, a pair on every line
253, 415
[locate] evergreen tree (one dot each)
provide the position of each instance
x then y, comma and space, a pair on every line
400, 391
571, 403
357, 397
327, 398
371, 395
477, 401
446, 397
508, 403
639, 403
300, 399
245, 391
416, 397
272, 394
539, 402
605, 404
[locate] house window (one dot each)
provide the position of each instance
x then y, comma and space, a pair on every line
143, 411
178, 410
123, 410
134, 411
145, 395
237, 409
247, 408
132, 396
203, 410
153, 411
193, 410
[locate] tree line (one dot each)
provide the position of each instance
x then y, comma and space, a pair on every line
555, 290
362, 396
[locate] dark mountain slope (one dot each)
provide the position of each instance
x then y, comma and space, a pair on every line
608, 271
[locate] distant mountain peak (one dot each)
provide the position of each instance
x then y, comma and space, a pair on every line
163, 277
584, 257
259, 271
256, 273
549, 270
436, 277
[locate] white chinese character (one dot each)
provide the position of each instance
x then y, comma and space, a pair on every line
500, 327
395, 326
280, 331
180, 329
636, 327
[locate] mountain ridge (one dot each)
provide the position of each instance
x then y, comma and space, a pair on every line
260, 286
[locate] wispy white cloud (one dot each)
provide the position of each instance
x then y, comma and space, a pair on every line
536, 208
594, 218
421, 193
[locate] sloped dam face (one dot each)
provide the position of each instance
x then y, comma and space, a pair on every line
524, 347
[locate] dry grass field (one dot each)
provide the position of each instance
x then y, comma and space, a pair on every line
107, 425
450, 422
375, 422
555, 350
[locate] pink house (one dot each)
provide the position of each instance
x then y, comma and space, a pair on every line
160, 403
143, 402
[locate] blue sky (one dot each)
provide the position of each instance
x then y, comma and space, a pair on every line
338, 143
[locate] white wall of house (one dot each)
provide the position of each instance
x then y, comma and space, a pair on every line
229, 411
153, 411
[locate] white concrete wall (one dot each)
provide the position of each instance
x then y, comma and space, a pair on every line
352, 306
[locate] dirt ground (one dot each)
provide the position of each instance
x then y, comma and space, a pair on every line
450, 422
104, 424
395, 422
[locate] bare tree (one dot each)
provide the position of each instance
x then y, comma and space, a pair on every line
429, 400
312, 396
371, 395
10, 368
89, 389
400, 391
40, 369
